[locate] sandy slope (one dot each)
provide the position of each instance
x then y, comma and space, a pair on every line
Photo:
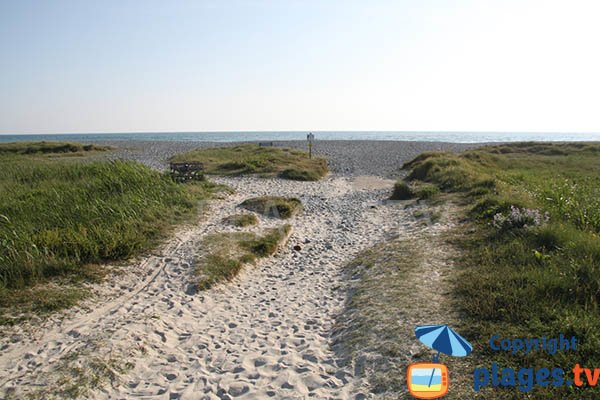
267, 334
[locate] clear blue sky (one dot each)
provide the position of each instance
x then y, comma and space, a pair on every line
119, 66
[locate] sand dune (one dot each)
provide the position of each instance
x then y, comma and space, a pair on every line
266, 334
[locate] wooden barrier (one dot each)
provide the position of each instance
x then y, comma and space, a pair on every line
187, 171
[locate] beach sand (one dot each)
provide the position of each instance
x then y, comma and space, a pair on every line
147, 333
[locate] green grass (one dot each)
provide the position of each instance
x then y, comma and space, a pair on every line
372, 318
54, 148
18, 305
250, 159
58, 217
527, 282
273, 206
421, 190
242, 220
228, 252
391, 291
402, 191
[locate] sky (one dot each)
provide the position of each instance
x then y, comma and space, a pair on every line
252, 65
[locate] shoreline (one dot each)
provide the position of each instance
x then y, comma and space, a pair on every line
466, 137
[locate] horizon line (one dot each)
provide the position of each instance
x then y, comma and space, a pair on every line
299, 131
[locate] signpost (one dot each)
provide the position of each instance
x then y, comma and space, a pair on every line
310, 137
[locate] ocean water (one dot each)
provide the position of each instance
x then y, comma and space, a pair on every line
455, 137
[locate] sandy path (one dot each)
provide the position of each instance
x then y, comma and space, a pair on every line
267, 334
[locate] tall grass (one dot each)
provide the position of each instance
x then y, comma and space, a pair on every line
250, 159
56, 216
49, 148
527, 281
576, 200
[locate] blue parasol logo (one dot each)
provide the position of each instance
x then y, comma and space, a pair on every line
430, 380
443, 339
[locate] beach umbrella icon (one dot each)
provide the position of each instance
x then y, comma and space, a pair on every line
443, 339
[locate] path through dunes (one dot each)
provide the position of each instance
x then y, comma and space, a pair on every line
266, 334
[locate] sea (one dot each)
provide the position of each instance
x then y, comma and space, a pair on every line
241, 136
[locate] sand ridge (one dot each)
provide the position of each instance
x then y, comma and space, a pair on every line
265, 335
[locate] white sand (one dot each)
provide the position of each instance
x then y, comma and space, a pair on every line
265, 335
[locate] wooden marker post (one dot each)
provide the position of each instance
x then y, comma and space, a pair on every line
310, 137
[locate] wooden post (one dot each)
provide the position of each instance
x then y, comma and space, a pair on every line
310, 137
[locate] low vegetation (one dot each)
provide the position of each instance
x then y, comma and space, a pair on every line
423, 191
402, 191
395, 286
59, 218
273, 206
226, 253
80, 372
370, 332
251, 159
531, 250
19, 304
241, 220
54, 148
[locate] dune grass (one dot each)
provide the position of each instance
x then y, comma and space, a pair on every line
273, 206
372, 320
241, 220
531, 260
251, 159
421, 190
58, 218
228, 252
54, 148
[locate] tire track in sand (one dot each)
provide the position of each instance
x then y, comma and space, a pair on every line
265, 335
